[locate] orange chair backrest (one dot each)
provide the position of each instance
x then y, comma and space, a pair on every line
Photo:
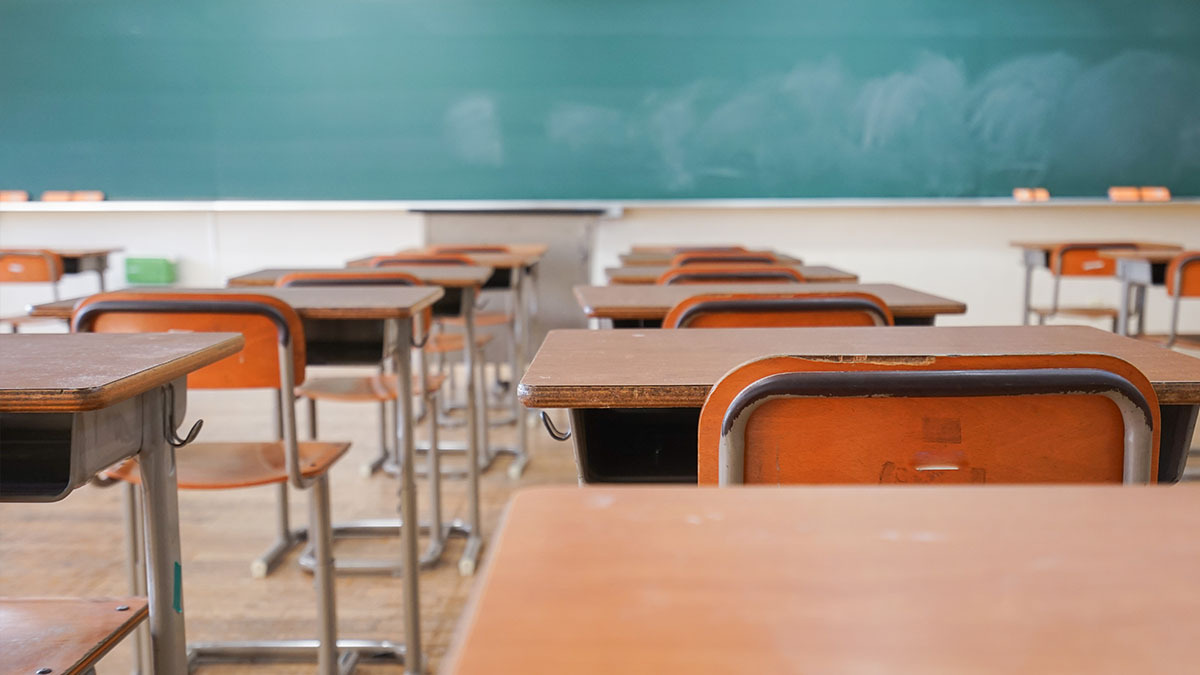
1042, 418
469, 248
784, 310
1183, 275
727, 274
1084, 260
30, 266
264, 321
401, 259
347, 277
724, 257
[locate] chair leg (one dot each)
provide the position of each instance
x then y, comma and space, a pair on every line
286, 538
137, 574
320, 530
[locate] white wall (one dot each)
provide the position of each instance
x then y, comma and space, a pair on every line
959, 251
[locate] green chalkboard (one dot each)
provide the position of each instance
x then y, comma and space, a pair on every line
598, 99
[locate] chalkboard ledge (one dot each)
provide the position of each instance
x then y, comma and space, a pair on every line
609, 209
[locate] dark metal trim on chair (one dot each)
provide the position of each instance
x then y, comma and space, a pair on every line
798, 305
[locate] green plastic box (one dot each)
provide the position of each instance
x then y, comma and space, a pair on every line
149, 271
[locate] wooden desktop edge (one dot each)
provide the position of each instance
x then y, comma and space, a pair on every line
96, 398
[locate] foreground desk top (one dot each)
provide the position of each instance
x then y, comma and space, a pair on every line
449, 276
629, 301
838, 580
358, 302
86, 371
635, 368
649, 274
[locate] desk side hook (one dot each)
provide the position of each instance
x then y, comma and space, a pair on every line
553, 430
170, 425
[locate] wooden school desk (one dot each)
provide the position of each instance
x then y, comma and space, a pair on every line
635, 395
72, 405
1136, 270
631, 306
1036, 254
905, 580
649, 274
664, 256
332, 313
462, 284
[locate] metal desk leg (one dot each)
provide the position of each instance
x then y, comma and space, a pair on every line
1123, 308
408, 496
476, 435
101, 268
1140, 304
160, 507
1028, 299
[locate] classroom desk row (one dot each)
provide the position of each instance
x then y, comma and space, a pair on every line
634, 396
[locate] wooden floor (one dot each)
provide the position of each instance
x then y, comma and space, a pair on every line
76, 547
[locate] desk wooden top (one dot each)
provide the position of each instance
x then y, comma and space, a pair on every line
632, 301
1163, 255
1048, 246
664, 256
67, 636
518, 255
447, 276
72, 252
649, 274
901, 580
349, 302
86, 371
655, 368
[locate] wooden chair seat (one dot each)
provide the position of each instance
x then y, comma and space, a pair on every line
63, 636
444, 343
218, 466
1089, 312
482, 319
368, 388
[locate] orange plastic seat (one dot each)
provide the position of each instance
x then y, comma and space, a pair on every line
1081, 260
446, 343
725, 274
1055, 418
482, 320
64, 636
377, 387
741, 257
222, 466
790, 310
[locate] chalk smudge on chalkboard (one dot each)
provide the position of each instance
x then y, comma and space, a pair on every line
579, 126
1011, 111
473, 130
929, 125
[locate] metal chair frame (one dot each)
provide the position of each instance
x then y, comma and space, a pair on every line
1181, 263
798, 303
